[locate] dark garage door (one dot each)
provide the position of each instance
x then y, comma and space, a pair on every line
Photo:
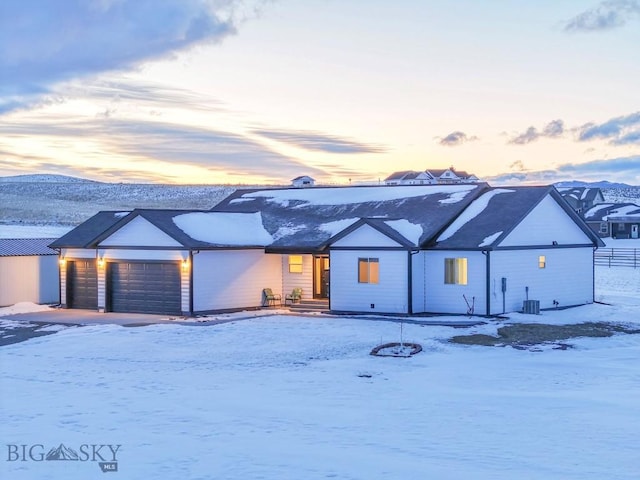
144, 288
82, 284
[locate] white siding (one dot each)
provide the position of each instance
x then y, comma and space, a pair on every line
102, 286
388, 296
448, 298
228, 279
71, 253
140, 232
302, 280
567, 277
29, 279
546, 223
365, 236
142, 255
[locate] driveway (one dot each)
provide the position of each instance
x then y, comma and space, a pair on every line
88, 317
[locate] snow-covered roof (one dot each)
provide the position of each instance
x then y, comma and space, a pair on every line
428, 207
605, 211
20, 247
224, 229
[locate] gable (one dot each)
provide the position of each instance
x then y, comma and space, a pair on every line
139, 233
365, 236
545, 224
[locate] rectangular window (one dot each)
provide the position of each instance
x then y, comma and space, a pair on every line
295, 263
604, 227
455, 271
368, 270
621, 227
542, 261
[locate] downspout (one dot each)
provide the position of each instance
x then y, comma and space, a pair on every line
486, 253
410, 254
191, 283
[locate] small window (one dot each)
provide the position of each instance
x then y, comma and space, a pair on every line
295, 263
604, 227
368, 270
621, 227
542, 261
455, 271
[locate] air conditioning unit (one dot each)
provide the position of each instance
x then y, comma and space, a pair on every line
531, 307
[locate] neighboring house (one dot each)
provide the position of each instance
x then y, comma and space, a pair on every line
373, 249
28, 271
303, 181
430, 176
409, 177
616, 220
582, 199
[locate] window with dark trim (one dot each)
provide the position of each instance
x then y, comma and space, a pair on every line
368, 270
455, 271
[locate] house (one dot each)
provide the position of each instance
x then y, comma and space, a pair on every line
409, 177
28, 271
373, 249
616, 220
303, 181
430, 176
582, 199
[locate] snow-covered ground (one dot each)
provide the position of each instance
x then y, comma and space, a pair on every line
282, 397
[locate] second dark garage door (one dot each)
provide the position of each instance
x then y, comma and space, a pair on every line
144, 288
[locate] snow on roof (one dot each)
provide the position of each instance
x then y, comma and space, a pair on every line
592, 212
346, 196
471, 212
333, 228
627, 210
223, 228
490, 239
408, 230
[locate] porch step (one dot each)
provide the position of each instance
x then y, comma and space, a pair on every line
308, 304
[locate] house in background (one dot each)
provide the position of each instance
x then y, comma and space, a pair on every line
456, 248
614, 220
303, 181
582, 199
28, 271
445, 176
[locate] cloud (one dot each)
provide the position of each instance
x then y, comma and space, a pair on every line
320, 142
43, 43
620, 130
606, 16
553, 129
457, 138
622, 169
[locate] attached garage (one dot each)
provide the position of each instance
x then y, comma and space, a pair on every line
144, 287
82, 284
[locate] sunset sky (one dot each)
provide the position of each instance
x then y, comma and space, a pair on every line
224, 91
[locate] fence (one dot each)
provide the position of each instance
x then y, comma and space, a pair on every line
618, 257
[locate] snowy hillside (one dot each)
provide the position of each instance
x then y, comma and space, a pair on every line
72, 202
622, 195
44, 178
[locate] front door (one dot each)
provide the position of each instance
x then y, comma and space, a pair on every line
634, 230
321, 276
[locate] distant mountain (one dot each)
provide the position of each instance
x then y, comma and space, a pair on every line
601, 184
45, 178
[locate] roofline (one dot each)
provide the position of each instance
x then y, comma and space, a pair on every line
401, 239
579, 221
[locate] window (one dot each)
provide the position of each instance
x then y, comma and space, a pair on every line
604, 227
455, 271
542, 261
368, 270
621, 227
295, 263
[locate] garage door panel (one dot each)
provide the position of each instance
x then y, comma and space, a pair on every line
82, 284
144, 288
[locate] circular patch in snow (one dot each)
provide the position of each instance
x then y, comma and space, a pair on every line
396, 349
